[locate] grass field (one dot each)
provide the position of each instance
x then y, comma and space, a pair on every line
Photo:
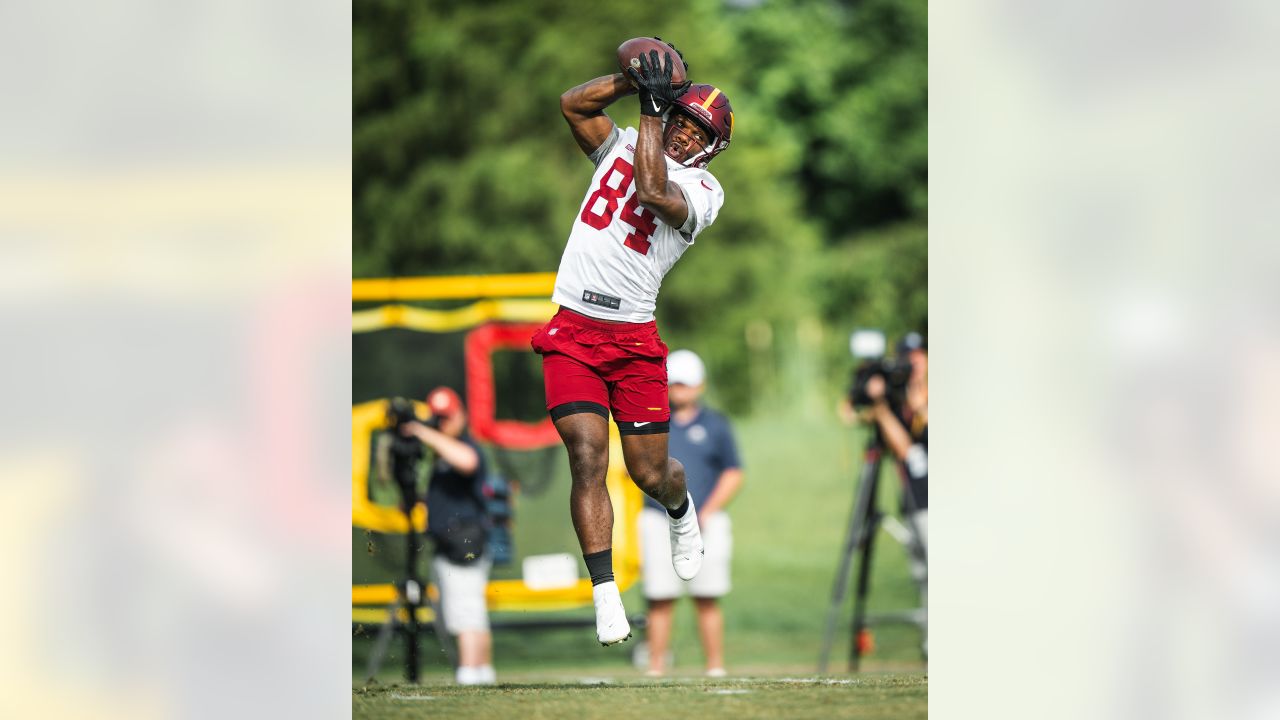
872, 696
789, 522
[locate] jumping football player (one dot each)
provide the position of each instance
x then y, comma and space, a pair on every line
649, 198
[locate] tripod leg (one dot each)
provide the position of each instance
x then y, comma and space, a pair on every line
860, 595
871, 521
853, 535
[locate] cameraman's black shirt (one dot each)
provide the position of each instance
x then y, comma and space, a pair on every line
454, 498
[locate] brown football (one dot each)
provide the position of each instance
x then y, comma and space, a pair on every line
629, 54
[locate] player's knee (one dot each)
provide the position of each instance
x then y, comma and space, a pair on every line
587, 462
675, 469
649, 476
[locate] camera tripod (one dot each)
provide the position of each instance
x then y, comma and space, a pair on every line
411, 592
410, 596
860, 538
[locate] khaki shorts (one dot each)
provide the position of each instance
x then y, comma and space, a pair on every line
660, 579
462, 594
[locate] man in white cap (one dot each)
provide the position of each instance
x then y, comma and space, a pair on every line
702, 441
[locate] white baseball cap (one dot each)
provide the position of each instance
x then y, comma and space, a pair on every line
684, 367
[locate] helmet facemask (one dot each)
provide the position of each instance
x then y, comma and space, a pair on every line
671, 128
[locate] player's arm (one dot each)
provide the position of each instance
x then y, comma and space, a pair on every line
653, 189
583, 108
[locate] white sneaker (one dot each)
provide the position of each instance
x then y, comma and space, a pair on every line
686, 543
611, 618
476, 675
716, 673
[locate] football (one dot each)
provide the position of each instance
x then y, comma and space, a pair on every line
629, 53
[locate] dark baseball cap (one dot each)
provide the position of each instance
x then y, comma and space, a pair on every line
912, 341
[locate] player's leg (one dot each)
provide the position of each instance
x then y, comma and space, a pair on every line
638, 397
662, 478
586, 440
575, 399
711, 630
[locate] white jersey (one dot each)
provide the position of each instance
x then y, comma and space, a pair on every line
618, 250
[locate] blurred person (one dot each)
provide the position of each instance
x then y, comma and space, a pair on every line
456, 524
904, 427
648, 200
702, 441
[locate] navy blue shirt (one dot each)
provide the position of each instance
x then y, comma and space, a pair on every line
706, 448
452, 496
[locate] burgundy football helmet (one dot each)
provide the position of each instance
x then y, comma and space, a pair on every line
710, 108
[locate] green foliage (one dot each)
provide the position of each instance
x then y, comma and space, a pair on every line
462, 162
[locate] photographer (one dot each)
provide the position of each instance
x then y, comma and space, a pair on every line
456, 523
904, 425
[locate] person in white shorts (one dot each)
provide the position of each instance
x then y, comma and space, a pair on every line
702, 441
457, 525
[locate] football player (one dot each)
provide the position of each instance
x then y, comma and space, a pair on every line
649, 199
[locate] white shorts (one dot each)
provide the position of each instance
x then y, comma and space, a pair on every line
462, 594
660, 579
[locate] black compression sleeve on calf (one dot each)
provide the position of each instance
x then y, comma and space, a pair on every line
680, 511
600, 566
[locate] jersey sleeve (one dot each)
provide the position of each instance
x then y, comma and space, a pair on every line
703, 196
605, 147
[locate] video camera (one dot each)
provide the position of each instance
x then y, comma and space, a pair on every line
401, 411
405, 451
868, 348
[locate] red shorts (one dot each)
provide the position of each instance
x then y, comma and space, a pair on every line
622, 366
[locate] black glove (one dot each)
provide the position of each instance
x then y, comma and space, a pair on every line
653, 80
673, 47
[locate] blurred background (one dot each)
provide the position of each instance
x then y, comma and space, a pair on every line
175, 264
463, 165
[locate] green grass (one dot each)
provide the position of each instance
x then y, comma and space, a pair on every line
789, 523
871, 696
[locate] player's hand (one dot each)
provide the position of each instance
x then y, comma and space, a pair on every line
653, 79
673, 47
